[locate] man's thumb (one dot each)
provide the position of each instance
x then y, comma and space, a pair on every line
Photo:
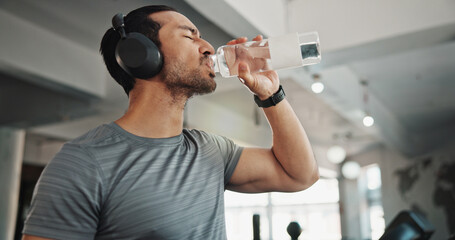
244, 73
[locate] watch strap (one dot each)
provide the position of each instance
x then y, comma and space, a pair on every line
271, 101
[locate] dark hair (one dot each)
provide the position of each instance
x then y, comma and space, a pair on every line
136, 21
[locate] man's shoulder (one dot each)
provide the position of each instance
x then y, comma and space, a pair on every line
86, 147
198, 135
94, 136
203, 137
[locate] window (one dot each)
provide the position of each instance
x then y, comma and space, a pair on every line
374, 199
315, 209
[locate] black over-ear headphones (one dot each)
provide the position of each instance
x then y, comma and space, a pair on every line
135, 53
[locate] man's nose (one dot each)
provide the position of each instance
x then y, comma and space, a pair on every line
206, 48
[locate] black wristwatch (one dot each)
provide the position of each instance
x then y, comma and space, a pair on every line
271, 101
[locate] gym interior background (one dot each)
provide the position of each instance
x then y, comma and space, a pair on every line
391, 60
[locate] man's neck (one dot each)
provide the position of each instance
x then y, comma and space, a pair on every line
153, 112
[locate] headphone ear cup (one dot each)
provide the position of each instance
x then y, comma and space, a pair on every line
139, 56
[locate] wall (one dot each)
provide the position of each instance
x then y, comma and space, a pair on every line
11, 153
39, 150
425, 184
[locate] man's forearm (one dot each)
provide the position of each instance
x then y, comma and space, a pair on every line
291, 145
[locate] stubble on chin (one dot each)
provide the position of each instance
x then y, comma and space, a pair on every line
184, 83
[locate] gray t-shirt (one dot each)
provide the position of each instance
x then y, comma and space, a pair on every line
111, 184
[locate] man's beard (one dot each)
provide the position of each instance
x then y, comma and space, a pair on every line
184, 82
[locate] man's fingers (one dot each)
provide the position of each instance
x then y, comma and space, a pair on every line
237, 41
257, 41
245, 75
258, 38
244, 40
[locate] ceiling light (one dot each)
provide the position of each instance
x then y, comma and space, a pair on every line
336, 154
368, 121
350, 170
317, 87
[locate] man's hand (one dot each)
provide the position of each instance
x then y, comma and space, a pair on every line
263, 84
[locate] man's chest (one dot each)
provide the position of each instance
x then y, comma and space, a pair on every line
161, 198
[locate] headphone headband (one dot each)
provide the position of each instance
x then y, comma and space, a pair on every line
118, 23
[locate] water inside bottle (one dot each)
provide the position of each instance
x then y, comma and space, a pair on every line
257, 56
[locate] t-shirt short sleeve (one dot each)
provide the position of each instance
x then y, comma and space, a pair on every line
66, 202
231, 154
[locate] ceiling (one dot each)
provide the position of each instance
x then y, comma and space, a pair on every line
404, 50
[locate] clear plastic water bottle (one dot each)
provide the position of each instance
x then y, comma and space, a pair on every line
288, 51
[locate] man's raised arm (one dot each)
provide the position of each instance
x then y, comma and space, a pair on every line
289, 165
